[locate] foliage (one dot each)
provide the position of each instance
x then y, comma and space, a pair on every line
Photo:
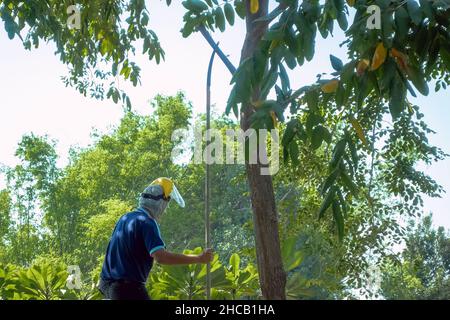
98, 232
185, 282
108, 35
339, 120
45, 279
422, 271
356, 94
5, 210
82, 202
7, 281
377, 69
41, 282
242, 282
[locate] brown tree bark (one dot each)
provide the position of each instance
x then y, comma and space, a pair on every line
272, 276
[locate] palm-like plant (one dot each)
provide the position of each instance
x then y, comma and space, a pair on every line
242, 282
185, 282
7, 282
42, 281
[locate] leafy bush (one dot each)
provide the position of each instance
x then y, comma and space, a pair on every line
7, 282
43, 280
189, 281
185, 282
47, 277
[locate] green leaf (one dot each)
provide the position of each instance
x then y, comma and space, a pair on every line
362, 89
128, 103
316, 138
285, 84
427, 8
336, 63
353, 152
274, 34
229, 13
268, 83
114, 69
291, 257
260, 61
397, 98
243, 68
272, 15
326, 202
341, 95
406, 82
311, 121
220, 19
242, 78
290, 59
389, 71
338, 219
196, 6
289, 132
10, 26
231, 101
401, 22
294, 152
445, 56
145, 19
312, 99
417, 77
309, 51
318, 135
308, 44
351, 186
342, 20
35, 274
240, 8
115, 96
235, 262
387, 24
433, 53
338, 152
414, 12
421, 41
330, 180
292, 41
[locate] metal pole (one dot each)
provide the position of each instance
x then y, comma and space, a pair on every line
232, 69
208, 175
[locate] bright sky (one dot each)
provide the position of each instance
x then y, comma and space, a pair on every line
34, 99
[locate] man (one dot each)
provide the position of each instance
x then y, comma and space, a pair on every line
136, 242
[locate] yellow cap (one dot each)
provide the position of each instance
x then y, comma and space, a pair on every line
166, 184
169, 189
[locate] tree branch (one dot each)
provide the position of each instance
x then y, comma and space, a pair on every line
216, 48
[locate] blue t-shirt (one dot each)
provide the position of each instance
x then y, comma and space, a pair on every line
135, 238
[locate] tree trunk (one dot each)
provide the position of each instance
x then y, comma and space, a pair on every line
272, 277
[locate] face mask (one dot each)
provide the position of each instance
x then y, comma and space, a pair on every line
161, 208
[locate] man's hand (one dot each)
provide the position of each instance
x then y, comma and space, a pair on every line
165, 257
206, 257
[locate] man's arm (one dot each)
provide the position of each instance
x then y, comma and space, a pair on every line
165, 257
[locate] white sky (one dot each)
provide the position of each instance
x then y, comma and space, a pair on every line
34, 99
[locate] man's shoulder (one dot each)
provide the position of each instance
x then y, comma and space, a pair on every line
129, 215
133, 217
142, 217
